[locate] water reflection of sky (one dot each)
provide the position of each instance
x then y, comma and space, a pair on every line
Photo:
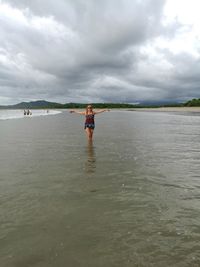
90, 164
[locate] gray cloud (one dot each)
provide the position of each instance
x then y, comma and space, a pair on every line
92, 51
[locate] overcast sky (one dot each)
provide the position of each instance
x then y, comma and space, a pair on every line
99, 50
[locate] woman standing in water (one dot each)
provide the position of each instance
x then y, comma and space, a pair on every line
89, 119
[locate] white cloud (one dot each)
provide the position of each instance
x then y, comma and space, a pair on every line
127, 50
187, 14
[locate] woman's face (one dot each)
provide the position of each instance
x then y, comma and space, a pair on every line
89, 108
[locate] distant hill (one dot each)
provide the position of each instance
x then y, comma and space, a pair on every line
40, 104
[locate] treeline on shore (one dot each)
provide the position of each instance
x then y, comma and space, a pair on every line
50, 105
191, 103
195, 102
42, 104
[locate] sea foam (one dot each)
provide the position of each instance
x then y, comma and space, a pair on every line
17, 114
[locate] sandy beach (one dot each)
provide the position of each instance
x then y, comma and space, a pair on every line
169, 109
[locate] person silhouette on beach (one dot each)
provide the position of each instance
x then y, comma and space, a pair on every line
89, 119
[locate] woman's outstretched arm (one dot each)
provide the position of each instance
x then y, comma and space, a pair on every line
78, 112
101, 110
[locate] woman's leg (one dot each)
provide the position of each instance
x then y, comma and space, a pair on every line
89, 132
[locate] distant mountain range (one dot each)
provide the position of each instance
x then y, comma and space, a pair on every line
42, 104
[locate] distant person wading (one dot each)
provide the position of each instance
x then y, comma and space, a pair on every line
89, 119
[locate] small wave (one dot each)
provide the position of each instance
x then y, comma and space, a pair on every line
19, 114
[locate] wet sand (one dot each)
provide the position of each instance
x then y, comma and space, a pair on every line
169, 109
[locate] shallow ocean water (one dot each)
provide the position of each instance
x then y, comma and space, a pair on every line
129, 199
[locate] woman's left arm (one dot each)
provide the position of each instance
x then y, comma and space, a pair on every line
101, 111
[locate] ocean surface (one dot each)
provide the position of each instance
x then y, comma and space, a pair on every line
132, 198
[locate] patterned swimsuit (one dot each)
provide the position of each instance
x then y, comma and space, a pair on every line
89, 121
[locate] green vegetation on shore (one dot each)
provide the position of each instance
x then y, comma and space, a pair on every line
195, 102
100, 105
42, 104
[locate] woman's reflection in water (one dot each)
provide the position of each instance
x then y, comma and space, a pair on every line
90, 164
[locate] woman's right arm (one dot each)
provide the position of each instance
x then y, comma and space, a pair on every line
77, 112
